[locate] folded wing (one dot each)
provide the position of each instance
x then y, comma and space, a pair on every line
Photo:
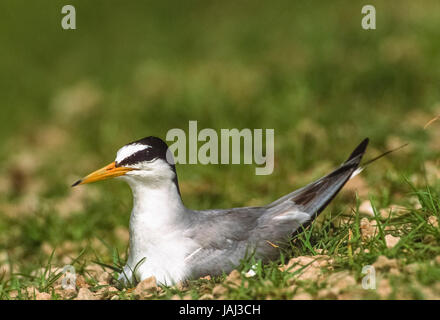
223, 237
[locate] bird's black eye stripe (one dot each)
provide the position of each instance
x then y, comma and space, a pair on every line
155, 148
140, 156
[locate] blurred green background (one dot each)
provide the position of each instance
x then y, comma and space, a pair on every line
71, 98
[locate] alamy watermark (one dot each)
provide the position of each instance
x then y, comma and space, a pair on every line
68, 281
369, 19
369, 280
368, 22
69, 20
225, 149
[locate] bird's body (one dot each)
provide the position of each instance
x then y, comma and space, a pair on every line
173, 243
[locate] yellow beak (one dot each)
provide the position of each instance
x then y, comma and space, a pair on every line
109, 171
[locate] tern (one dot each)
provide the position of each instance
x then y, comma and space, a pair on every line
174, 243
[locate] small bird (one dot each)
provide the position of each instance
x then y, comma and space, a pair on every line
174, 243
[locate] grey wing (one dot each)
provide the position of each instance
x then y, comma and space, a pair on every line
226, 236
222, 237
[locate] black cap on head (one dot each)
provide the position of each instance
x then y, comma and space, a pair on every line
157, 148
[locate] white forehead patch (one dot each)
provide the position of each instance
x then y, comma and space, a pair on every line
128, 150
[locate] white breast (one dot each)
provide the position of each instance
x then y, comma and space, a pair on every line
164, 250
156, 234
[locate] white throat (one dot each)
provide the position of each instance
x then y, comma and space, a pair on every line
156, 224
159, 204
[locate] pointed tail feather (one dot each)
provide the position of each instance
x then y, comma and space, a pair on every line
367, 163
313, 198
382, 155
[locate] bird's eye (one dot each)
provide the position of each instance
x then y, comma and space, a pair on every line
149, 156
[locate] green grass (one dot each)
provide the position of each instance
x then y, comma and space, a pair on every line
70, 99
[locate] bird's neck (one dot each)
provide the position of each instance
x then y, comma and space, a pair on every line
156, 205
